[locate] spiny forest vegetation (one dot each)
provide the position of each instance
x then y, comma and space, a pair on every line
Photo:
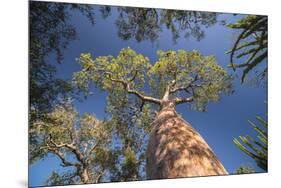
144, 137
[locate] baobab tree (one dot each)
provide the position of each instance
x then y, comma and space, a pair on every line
174, 148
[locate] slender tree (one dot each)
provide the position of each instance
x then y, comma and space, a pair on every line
174, 149
82, 144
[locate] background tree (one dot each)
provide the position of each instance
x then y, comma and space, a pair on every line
256, 149
131, 127
251, 43
146, 23
192, 23
50, 32
175, 149
244, 170
81, 143
140, 23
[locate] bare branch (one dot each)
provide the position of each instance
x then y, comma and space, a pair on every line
71, 147
182, 100
126, 86
56, 151
174, 90
143, 97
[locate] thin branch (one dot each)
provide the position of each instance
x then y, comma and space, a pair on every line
134, 76
126, 86
94, 147
99, 176
174, 90
61, 156
182, 100
143, 97
76, 152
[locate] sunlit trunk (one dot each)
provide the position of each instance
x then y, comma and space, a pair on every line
175, 149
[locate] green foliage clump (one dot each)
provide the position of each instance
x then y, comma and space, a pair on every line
244, 170
189, 22
129, 166
198, 75
128, 65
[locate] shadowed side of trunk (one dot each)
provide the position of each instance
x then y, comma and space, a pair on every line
175, 149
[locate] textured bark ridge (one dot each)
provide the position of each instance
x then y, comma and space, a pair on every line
175, 149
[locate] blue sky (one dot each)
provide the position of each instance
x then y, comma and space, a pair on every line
223, 121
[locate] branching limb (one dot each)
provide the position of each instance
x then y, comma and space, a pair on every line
71, 147
56, 151
184, 88
126, 86
143, 97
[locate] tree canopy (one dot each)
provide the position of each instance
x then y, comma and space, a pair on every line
187, 76
146, 23
50, 32
80, 142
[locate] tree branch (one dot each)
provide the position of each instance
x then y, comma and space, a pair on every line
182, 100
143, 97
174, 90
99, 176
94, 147
126, 86
56, 151
76, 152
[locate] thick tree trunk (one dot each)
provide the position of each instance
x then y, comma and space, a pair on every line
175, 149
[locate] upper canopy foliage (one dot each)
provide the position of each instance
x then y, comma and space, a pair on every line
184, 76
50, 32
146, 23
